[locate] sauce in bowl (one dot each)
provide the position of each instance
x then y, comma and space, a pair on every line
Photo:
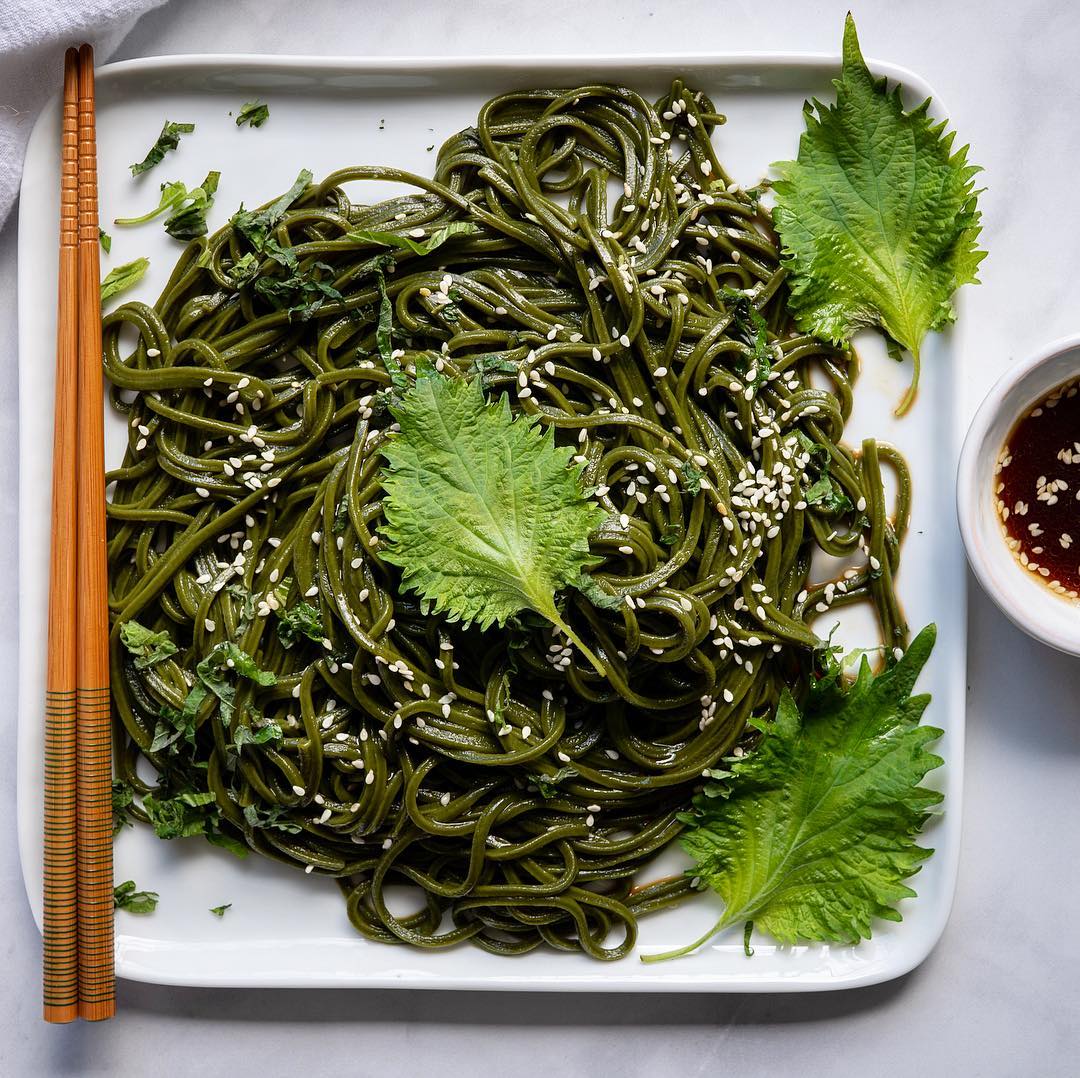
1037, 490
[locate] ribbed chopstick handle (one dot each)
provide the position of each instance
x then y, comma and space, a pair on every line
60, 966
97, 986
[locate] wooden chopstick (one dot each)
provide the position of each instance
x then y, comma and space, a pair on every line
97, 986
61, 968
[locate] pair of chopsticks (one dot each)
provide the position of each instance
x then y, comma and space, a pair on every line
78, 919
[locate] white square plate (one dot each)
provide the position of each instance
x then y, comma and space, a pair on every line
287, 929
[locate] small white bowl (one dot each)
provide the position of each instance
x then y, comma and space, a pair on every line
1053, 619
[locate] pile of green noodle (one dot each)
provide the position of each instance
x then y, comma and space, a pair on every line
495, 772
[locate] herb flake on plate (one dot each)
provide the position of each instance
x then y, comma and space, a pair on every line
168, 140
253, 113
125, 897
123, 277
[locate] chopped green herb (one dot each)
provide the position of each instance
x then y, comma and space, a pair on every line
596, 593
106, 240
301, 620
123, 277
298, 291
123, 797
259, 735
828, 496
758, 192
189, 221
187, 814
691, 477
253, 113
384, 328
450, 312
489, 365
818, 453
419, 247
245, 269
125, 897
548, 784
172, 194
227, 842
175, 725
147, 646
273, 818
219, 911
244, 664
754, 331
180, 816
256, 226
217, 671
341, 515
671, 534
169, 139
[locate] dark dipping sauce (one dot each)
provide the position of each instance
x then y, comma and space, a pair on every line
1037, 486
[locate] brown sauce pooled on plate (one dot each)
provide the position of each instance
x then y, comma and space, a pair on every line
1037, 487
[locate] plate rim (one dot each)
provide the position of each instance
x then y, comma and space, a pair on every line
656, 63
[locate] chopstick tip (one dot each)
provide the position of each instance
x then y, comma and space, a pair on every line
61, 1013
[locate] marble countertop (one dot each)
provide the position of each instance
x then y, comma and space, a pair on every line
999, 995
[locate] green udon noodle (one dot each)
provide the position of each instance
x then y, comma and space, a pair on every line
496, 772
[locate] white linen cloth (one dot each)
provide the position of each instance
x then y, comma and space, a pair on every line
33, 37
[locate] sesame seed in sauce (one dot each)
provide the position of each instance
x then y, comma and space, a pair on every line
1034, 480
